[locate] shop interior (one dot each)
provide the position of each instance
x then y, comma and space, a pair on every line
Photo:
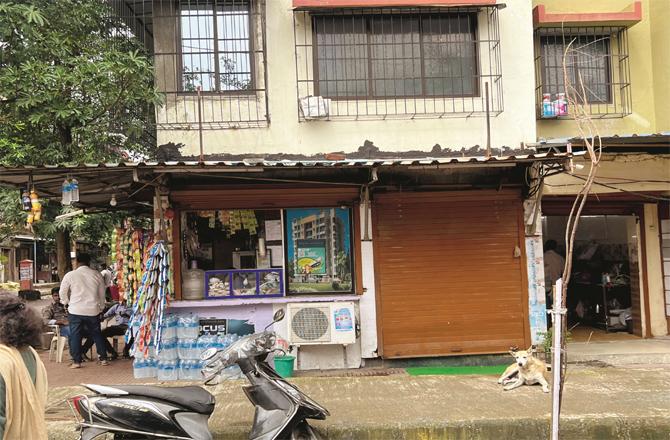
265, 252
232, 253
604, 280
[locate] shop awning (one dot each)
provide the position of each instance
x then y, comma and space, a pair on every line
132, 183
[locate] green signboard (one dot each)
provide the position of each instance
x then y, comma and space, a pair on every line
311, 257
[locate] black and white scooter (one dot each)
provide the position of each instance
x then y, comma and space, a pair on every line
153, 412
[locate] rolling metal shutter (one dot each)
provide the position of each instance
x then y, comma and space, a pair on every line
448, 278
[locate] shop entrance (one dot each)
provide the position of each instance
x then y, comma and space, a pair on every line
603, 298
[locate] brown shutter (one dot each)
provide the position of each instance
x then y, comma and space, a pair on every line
448, 279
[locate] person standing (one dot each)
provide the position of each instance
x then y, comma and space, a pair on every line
23, 378
107, 279
83, 291
554, 264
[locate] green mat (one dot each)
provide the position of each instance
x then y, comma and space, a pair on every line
431, 371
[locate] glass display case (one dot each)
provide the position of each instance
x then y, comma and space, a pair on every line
244, 283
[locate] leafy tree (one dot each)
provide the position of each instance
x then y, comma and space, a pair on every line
74, 87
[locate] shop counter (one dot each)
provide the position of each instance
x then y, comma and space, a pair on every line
258, 300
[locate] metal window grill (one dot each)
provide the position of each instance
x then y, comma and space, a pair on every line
209, 60
399, 62
598, 56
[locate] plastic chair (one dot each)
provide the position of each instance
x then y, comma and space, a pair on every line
57, 344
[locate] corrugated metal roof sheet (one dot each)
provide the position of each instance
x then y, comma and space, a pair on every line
262, 163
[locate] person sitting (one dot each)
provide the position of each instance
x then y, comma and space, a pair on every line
56, 314
117, 326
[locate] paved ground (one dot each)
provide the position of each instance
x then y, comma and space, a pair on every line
628, 402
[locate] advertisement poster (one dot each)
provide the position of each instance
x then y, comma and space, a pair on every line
312, 258
318, 247
343, 320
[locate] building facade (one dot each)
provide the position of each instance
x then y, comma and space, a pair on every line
618, 54
375, 114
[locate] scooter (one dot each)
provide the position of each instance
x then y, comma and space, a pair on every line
152, 412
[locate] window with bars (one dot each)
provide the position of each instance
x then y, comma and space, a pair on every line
589, 61
382, 56
596, 56
216, 52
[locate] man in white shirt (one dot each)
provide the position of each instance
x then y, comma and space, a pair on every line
554, 264
83, 291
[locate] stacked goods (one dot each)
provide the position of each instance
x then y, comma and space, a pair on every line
151, 300
129, 255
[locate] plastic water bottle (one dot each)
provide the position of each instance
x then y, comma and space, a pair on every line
168, 350
169, 330
66, 196
187, 349
151, 367
168, 370
187, 327
138, 368
185, 369
196, 370
74, 190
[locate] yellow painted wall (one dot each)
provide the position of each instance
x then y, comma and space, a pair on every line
287, 135
660, 40
649, 70
629, 172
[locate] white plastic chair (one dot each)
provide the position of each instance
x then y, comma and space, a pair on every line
57, 344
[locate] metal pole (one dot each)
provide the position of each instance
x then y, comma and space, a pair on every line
488, 121
557, 323
202, 156
34, 259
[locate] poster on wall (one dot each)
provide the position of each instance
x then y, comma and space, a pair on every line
311, 258
318, 248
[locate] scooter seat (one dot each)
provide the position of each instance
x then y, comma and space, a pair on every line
193, 398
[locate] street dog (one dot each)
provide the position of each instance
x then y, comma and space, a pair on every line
526, 370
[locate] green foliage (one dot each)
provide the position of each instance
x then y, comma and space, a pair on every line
547, 339
73, 86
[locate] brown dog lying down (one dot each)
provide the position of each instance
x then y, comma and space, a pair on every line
526, 370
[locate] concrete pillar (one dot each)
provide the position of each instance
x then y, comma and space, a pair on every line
657, 321
367, 303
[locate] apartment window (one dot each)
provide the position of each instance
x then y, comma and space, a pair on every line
396, 55
588, 58
216, 52
597, 56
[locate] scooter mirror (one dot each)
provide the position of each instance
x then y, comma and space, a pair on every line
208, 354
279, 315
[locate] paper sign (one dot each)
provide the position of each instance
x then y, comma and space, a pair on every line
272, 230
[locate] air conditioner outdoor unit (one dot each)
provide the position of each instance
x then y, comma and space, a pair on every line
314, 107
321, 323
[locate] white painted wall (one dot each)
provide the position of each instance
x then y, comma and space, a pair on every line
287, 135
368, 301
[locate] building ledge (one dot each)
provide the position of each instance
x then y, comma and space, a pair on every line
628, 17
